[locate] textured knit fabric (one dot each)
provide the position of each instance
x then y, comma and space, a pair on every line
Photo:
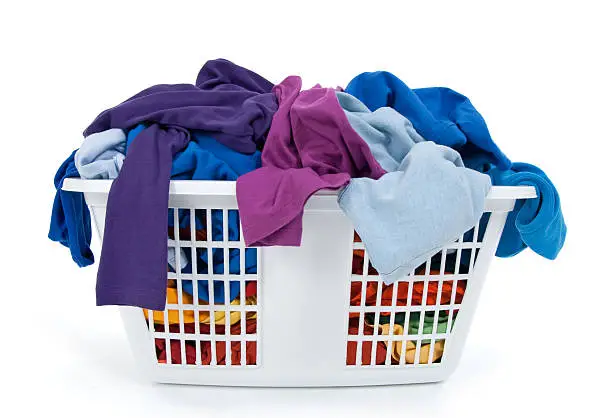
311, 146
439, 114
427, 199
101, 155
231, 103
70, 221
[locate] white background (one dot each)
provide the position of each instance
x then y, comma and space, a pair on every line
538, 71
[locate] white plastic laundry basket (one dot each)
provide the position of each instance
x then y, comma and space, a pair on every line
315, 315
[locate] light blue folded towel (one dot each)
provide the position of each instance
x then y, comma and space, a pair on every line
427, 198
101, 155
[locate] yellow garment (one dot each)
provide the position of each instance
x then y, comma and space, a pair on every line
189, 315
396, 347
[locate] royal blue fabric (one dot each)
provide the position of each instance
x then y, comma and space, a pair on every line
205, 158
535, 223
439, 114
70, 220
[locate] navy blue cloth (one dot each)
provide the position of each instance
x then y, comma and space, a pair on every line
205, 158
70, 220
439, 114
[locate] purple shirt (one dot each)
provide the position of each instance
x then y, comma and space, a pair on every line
229, 103
310, 146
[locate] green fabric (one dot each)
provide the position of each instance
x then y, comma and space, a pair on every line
413, 323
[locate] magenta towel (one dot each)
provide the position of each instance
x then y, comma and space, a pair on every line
310, 146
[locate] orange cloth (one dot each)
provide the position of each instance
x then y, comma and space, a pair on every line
366, 349
204, 317
382, 346
205, 346
358, 256
402, 293
410, 347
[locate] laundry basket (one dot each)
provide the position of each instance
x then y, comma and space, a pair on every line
314, 315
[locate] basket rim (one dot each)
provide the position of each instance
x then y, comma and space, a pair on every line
228, 188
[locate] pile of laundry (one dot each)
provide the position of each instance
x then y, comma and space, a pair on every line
201, 324
407, 163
